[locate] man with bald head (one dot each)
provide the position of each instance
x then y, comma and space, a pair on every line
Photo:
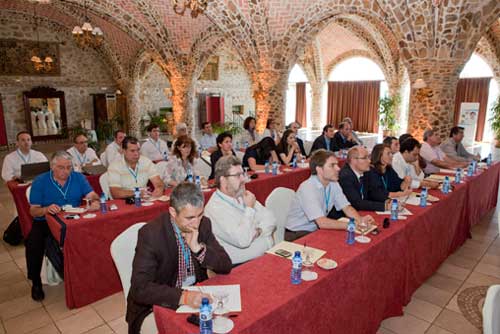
352, 183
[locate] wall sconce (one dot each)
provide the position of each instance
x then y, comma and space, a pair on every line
423, 92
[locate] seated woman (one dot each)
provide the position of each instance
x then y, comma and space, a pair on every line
271, 131
249, 135
382, 181
288, 148
182, 162
256, 155
224, 147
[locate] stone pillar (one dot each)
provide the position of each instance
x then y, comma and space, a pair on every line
132, 92
433, 107
182, 99
316, 102
270, 94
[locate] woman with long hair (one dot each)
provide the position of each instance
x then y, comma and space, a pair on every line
224, 148
288, 148
182, 162
250, 135
382, 180
256, 155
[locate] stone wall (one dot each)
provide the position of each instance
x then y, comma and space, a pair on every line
152, 95
82, 74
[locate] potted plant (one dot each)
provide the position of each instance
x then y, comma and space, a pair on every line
495, 120
230, 127
387, 110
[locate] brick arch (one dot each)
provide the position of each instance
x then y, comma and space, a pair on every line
486, 50
351, 54
311, 63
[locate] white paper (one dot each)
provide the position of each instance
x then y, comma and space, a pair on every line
447, 171
404, 212
232, 305
414, 200
435, 177
315, 254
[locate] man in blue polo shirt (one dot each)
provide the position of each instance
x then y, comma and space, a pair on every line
50, 191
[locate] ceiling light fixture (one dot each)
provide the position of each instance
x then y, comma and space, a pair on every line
87, 36
196, 6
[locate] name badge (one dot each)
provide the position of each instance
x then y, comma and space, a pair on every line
190, 280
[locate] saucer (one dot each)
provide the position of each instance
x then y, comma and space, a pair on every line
327, 264
309, 275
222, 325
147, 203
89, 215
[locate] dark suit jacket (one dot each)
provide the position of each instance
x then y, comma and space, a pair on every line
319, 143
301, 146
376, 188
341, 143
155, 268
352, 190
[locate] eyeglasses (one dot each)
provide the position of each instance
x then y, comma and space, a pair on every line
236, 175
82, 142
363, 158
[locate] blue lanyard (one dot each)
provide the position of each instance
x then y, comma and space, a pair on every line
361, 191
384, 182
327, 196
78, 156
22, 156
185, 250
157, 144
135, 172
327, 143
59, 188
230, 203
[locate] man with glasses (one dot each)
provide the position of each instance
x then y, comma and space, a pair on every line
11, 169
240, 223
82, 154
405, 163
353, 183
316, 197
295, 126
155, 148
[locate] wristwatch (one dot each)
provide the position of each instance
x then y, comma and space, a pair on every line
202, 247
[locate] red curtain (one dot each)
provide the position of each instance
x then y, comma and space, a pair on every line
3, 132
358, 100
300, 104
473, 90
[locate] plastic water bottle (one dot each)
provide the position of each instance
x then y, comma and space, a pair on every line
189, 173
104, 207
423, 197
294, 162
266, 167
351, 227
458, 176
296, 275
470, 170
446, 185
200, 150
165, 155
137, 197
246, 145
237, 146
488, 160
197, 181
474, 166
206, 323
394, 209
275, 168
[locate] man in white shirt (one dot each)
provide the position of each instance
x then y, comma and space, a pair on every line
114, 150
133, 171
155, 148
23, 155
82, 154
239, 222
405, 163
208, 140
454, 148
434, 157
316, 197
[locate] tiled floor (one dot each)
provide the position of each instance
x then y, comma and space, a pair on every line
433, 308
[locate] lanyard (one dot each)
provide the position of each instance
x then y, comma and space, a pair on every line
82, 161
327, 193
135, 172
59, 188
157, 144
22, 156
361, 191
230, 203
327, 143
384, 182
185, 250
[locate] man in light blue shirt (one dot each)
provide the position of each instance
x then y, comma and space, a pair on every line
208, 140
316, 197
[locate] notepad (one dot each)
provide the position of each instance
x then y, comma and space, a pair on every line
435, 177
233, 303
292, 247
404, 212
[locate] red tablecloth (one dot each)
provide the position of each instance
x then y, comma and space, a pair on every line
372, 282
23, 208
89, 272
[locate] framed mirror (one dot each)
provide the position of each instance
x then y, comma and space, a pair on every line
45, 112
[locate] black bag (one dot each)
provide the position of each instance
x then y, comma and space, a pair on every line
55, 254
13, 234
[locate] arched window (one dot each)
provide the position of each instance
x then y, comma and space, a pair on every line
297, 75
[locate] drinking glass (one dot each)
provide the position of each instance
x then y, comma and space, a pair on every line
307, 255
363, 226
247, 179
87, 203
146, 195
221, 297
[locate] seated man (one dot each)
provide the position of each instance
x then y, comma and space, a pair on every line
325, 141
11, 169
405, 163
173, 251
82, 154
131, 171
343, 138
393, 143
454, 149
155, 148
295, 126
208, 140
354, 134
434, 157
114, 150
352, 181
240, 223
316, 197
50, 191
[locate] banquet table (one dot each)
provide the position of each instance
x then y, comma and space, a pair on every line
89, 272
18, 191
372, 281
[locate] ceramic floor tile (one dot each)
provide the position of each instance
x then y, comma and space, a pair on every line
14, 291
48, 329
477, 278
433, 295
407, 324
53, 294
5, 257
491, 259
18, 253
437, 330
12, 277
119, 325
5, 267
80, 322
461, 261
59, 310
453, 304
488, 269
17, 307
422, 310
104, 329
444, 282
476, 244
111, 307
27, 322
455, 323
469, 253
453, 271
383, 330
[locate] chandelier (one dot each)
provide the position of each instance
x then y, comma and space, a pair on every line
87, 36
40, 65
196, 6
